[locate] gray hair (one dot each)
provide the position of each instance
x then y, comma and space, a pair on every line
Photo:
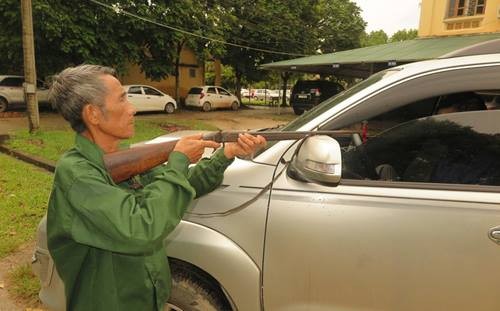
74, 88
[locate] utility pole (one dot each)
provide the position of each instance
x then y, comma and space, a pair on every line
29, 67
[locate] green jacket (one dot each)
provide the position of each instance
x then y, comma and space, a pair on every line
107, 240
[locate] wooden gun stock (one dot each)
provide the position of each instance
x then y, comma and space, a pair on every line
127, 163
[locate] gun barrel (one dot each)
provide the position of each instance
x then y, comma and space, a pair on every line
127, 163
232, 136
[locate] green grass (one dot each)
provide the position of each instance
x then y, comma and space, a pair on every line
24, 190
24, 285
51, 144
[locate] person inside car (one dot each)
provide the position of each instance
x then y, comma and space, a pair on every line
460, 102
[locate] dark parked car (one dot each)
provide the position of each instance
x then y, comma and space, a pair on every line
309, 93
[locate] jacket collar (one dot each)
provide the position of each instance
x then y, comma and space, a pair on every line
89, 150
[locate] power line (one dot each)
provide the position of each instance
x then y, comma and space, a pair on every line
191, 33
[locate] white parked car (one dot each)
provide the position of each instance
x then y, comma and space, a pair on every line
147, 98
245, 93
211, 97
12, 92
262, 94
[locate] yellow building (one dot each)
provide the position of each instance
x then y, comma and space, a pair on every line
192, 73
458, 17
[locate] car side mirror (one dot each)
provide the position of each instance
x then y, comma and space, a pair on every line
318, 160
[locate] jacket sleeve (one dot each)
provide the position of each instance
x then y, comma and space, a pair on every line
115, 219
208, 173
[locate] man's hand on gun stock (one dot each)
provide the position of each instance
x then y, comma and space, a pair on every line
246, 146
193, 146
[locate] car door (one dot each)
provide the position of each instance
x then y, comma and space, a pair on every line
212, 97
419, 240
137, 98
225, 98
153, 99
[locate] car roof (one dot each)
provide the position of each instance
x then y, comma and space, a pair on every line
435, 64
407, 71
10, 76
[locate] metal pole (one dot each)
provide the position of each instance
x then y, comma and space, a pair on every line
29, 67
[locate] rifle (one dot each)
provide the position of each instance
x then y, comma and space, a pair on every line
126, 163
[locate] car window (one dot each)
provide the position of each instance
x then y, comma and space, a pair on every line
150, 91
328, 104
12, 81
195, 90
222, 91
452, 148
134, 90
211, 90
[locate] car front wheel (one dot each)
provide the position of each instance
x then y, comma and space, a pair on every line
169, 108
235, 105
298, 111
193, 290
3, 104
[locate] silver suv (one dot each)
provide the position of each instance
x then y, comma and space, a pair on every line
400, 210
12, 92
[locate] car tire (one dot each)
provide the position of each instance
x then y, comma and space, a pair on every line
169, 108
3, 104
194, 290
206, 107
235, 106
298, 111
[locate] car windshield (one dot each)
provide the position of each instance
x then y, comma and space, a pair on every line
335, 100
329, 103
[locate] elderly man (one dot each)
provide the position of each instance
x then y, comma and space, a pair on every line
107, 239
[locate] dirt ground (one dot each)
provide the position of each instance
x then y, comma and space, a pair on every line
242, 119
21, 257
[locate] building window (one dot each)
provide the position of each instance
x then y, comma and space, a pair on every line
460, 8
480, 6
192, 72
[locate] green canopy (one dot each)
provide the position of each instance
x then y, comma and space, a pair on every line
364, 61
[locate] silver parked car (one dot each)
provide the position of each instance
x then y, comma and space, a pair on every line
147, 98
399, 210
12, 92
211, 97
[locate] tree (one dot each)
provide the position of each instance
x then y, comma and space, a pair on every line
338, 25
96, 34
403, 35
374, 38
298, 27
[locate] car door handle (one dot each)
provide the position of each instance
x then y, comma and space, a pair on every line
494, 234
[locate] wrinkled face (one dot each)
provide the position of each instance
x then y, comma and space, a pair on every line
118, 118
